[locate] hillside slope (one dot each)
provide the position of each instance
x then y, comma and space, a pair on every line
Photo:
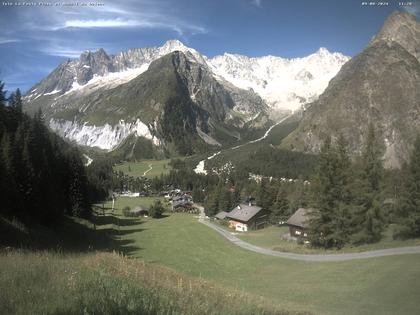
105, 283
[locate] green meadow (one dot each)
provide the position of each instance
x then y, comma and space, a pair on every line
387, 285
153, 168
238, 281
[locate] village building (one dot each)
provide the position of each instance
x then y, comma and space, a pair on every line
298, 223
245, 217
221, 215
182, 203
140, 211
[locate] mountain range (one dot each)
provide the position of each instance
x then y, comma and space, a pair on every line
179, 101
101, 100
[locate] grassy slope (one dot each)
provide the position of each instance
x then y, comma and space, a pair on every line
385, 285
138, 168
106, 283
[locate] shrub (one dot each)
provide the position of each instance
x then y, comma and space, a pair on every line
157, 209
126, 212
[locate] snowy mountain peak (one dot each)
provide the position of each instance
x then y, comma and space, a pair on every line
172, 45
283, 83
322, 51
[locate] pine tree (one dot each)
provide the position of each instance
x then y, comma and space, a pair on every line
368, 218
409, 212
3, 98
236, 196
225, 200
157, 209
213, 204
197, 194
330, 220
280, 210
15, 100
265, 195
321, 218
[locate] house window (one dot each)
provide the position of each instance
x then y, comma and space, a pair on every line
304, 234
298, 232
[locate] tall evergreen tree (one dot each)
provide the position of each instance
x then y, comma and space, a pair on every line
368, 219
409, 212
332, 203
280, 210
15, 100
225, 200
3, 98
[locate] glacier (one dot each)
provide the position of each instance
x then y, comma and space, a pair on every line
282, 83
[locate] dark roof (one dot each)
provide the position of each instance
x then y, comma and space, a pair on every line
243, 212
221, 215
299, 218
181, 203
138, 210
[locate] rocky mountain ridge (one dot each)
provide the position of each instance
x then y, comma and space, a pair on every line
381, 85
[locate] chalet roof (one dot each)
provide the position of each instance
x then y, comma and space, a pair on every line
243, 212
138, 209
221, 215
299, 218
180, 203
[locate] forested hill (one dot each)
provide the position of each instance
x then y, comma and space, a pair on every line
42, 177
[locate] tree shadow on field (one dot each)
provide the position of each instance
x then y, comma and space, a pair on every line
100, 233
162, 216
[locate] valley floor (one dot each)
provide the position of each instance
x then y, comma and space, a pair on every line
42, 281
385, 285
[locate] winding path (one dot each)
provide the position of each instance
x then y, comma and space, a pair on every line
200, 168
307, 257
147, 171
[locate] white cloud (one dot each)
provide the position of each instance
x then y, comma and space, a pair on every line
141, 14
115, 23
413, 9
4, 40
257, 3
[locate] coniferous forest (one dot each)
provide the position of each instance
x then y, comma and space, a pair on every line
42, 177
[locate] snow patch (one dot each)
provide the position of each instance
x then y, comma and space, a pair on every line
199, 169
110, 80
52, 92
105, 137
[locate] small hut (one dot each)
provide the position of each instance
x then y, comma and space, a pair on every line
298, 223
139, 211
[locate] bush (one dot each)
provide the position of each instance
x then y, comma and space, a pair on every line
157, 209
126, 212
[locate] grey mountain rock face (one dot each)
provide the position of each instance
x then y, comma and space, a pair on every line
176, 99
380, 85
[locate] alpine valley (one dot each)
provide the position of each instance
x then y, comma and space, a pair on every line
173, 99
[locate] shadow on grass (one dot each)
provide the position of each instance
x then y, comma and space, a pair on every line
163, 216
112, 219
101, 233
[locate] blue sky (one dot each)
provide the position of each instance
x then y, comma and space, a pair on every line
35, 39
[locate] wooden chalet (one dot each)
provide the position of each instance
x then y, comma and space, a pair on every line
245, 217
221, 215
298, 223
140, 211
